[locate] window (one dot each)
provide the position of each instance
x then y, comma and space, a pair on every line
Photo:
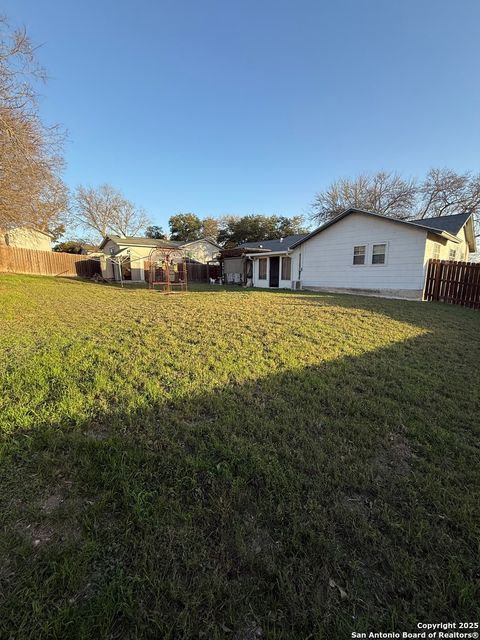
379, 252
262, 268
286, 268
452, 254
436, 251
359, 254
299, 266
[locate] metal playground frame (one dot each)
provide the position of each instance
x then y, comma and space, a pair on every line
168, 268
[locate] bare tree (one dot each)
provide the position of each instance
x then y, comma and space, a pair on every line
31, 163
385, 193
105, 210
445, 192
442, 192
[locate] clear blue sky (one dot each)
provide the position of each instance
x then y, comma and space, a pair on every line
243, 106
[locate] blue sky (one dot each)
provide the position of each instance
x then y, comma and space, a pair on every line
251, 106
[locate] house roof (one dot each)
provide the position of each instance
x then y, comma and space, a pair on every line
136, 241
273, 245
425, 224
133, 241
451, 224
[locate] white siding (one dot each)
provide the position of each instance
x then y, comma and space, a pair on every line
202, 251
283, 284
445, 246
328, 257
26, 238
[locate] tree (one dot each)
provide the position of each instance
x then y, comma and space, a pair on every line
155, 232
254, 228
75, 246
31, 189
210, 228
442, 192
70, 246
291, 226
385, 193
105, 210
185, 227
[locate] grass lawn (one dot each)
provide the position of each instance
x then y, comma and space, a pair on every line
234, 463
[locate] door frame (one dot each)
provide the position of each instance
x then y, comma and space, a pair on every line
277, 285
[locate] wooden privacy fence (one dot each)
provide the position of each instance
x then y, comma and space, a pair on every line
196, 272
47, 263
453, 282
202, 272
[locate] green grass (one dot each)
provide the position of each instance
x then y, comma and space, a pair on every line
234, 463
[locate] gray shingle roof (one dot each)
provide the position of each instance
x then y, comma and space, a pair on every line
273, 245
450, 224
140, 242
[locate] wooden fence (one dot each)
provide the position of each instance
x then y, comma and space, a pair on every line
453, 282
47, 263
196, 272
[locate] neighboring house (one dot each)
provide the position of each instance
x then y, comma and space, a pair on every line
134, 251
238, 261
26, 238
364, 252
203, 251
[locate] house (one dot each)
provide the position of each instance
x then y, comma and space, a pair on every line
26, 238
132, 252
238, 263
364, 252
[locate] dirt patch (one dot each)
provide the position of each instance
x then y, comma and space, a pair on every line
52, 503
397, 455
251, 631
360, 502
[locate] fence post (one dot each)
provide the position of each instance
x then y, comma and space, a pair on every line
437, 281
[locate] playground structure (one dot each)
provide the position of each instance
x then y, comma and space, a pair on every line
167, 267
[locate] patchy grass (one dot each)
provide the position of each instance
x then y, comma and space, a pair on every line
234, 464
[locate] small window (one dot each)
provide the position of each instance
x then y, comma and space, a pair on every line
379, 252
452, 254
436, 251
359, 254
286, 268
262, 268
299, 266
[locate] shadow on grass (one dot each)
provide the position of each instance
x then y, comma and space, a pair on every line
307, 504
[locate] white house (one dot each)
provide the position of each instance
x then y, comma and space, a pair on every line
26, 238
363, 252
238, 262
135, 250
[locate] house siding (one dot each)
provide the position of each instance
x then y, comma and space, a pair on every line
26, 238
445, 245
201, 251
327, 258
283, 284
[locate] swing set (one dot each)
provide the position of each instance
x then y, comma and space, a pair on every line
168, 269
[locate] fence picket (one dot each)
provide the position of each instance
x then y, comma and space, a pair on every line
453, 282
47, 263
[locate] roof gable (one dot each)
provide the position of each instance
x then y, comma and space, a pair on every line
423, 225
273, 245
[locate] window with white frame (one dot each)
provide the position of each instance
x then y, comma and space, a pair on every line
262, 268
452, 254
379, 253
359, 253
436, 251
299, 266
286, 268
